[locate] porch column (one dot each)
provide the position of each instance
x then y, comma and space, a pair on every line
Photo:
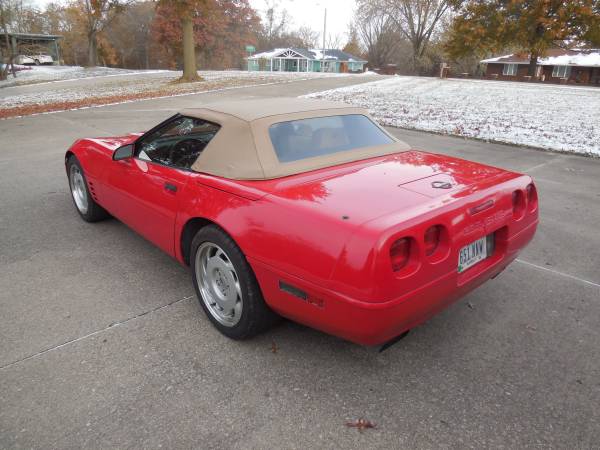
56, 53
271, 60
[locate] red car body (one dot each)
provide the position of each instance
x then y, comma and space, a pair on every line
328, 232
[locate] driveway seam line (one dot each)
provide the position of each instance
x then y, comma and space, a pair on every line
94, 333
556, 272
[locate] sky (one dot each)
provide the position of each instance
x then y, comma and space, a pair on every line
310, 13
305, 12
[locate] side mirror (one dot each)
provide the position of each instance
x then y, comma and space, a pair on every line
123, 152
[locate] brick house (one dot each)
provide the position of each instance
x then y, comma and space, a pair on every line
558, 66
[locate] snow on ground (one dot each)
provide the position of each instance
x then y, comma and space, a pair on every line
101, 86
17, 67
41, 74
563, 118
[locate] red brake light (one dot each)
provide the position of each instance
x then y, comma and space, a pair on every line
400, 254
432, 239
518, 202
531, 197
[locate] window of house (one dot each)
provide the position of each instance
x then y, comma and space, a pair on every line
561, 71
178, 143
509, 69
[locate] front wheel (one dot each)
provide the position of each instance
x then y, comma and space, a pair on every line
226, 286
88, 209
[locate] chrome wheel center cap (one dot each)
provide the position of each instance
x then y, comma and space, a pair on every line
221, 283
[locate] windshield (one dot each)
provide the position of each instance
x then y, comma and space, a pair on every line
318, 136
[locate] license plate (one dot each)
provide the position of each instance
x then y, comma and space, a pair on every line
473, 253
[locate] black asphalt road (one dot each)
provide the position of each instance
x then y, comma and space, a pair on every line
103, 344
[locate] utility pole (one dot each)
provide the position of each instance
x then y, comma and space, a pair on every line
324, 37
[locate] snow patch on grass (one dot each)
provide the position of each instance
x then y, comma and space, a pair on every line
562, 118
115, 88
43, 74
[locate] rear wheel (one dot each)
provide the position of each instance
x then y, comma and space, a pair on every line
88, 209
226, 286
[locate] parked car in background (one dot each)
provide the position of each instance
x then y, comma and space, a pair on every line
37, 59
23, 59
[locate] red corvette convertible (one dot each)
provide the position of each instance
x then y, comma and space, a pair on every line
308, 210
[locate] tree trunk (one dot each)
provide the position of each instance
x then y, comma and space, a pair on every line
415, 59
11, 55
92, 49
189, 51
4, 69
532, 64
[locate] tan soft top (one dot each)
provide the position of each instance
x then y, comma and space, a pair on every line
242, 148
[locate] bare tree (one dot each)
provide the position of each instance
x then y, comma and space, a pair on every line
416, 20
353, 45
129, 34
7, 14
377, 33
334, 41
274, 24
98, 14
307, 37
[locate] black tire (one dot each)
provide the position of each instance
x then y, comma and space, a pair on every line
94, 211
37, 62
256, 316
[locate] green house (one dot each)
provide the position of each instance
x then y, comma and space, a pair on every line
305, 60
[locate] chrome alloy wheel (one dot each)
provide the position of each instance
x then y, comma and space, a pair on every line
219, 284
78, 189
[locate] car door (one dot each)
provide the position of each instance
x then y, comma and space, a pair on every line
145, 189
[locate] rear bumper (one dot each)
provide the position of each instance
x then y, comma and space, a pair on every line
371, 323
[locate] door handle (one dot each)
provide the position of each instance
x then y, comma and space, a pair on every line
170, 187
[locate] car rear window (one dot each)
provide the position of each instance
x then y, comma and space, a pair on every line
318, 136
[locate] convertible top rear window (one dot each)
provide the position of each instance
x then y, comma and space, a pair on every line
318, 136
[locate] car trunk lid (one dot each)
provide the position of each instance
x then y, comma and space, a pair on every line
362, 191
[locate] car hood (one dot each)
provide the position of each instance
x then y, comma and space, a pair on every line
368, 189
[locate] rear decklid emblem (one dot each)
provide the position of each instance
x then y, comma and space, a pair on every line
441, 185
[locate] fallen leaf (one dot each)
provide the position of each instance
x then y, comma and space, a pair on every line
361, 424
274, 347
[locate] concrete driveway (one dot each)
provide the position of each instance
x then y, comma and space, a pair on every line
105, 346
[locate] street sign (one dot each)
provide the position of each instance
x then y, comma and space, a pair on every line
250, 49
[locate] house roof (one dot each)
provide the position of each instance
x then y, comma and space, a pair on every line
330, 54
336, 54
554, 57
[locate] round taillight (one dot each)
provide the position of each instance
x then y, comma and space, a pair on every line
400, 253
518, 203
432, 239
532, 198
